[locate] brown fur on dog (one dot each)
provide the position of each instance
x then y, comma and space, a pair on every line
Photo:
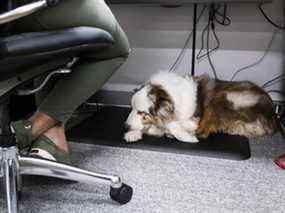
163, 106
219, 114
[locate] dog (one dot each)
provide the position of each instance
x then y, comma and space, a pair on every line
236, 108
189, 108
163, 107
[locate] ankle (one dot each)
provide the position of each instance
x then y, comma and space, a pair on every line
41, 123
57, 135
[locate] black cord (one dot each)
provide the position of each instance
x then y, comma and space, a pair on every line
211, 25
178, 59
226, 21
199, 55
273, 81
276, 91
259, 60
268, 19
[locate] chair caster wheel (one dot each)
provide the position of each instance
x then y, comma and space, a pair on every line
121, 195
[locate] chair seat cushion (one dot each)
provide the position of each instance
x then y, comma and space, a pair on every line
42, 42
18, 52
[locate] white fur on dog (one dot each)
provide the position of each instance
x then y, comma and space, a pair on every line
183, 93
242, 99
140, 103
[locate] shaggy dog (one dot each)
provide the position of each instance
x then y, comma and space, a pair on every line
237, 108
186, 107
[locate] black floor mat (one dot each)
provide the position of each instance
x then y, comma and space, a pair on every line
106, 127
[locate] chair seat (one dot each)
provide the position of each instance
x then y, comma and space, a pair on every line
23, 50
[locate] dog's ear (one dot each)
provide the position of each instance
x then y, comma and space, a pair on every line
163, 106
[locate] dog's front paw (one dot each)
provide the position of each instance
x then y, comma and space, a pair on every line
133, 136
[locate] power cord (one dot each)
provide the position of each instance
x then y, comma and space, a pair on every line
225, 22
215, 17
273, 81
180, 55
259, 60
212, 26
267, 18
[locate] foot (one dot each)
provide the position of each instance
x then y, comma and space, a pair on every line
133, 136
41, 123
52, 145
57, 135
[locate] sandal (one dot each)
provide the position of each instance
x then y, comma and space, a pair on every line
280, 161
23, 133
44, 148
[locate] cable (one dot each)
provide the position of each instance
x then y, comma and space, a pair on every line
223, 23
258, 61
199, 56
226, 20
208, 53
268, 19
273, 81
179, 57
211, 26
276, 82
276, 91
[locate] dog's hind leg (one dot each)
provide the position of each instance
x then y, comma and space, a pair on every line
207, 124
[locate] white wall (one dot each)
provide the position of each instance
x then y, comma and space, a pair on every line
157, 34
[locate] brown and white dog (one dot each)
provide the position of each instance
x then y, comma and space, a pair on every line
188, 108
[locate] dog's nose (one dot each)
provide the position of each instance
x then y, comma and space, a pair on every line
127, 127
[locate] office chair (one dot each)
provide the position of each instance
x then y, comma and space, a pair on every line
24, 57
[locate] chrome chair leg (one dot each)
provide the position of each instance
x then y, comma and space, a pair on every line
12, 166
35, 166
10, 175
119, 191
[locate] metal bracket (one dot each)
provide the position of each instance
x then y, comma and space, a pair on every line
65, 70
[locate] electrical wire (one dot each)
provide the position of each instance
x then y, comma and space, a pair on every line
259, 60
226, 20
223, 23
269, 19
273, 81
208, 52
276, 91
199, 55
182, 52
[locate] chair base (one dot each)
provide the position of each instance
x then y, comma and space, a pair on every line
12, 166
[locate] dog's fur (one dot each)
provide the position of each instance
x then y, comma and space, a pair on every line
239, 108
184, 107
163, 106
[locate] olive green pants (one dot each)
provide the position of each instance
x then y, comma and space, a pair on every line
89, 75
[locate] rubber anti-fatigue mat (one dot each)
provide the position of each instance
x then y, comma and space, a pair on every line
106, 127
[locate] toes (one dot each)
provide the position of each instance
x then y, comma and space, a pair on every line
133, 136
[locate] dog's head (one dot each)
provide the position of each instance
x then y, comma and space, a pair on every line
151, 106
167, 97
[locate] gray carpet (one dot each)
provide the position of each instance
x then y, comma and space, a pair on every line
166, 183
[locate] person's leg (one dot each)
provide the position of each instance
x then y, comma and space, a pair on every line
88, 74
73, 90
